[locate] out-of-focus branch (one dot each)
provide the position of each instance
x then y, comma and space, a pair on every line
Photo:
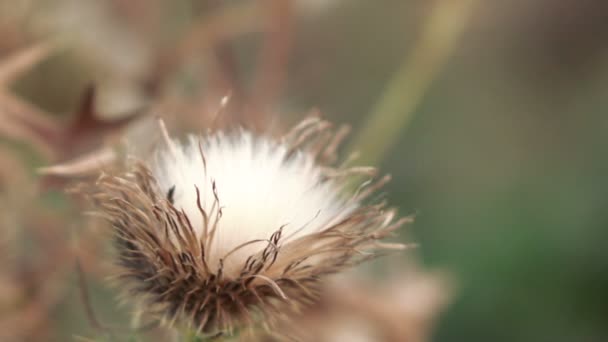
18, 63
225, 59
272, 61
19, 119
395, 108
222, 24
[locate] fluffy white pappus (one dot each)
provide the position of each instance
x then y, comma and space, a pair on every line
260, 188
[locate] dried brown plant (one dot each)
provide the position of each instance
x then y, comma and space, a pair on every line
177, 271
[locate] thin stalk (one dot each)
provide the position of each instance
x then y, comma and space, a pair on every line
395, 108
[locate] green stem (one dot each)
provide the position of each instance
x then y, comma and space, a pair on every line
393, 112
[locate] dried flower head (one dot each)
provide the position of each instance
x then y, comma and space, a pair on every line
232, 226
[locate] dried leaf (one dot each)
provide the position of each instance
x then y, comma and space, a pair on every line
83, 165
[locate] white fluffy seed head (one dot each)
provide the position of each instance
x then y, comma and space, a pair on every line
284, 225
259, 186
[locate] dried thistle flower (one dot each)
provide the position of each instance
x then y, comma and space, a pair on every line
232, 226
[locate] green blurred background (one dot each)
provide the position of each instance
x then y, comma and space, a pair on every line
502, 158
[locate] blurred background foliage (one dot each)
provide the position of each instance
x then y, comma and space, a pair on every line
501, 158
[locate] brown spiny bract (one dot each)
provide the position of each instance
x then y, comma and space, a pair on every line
235, 229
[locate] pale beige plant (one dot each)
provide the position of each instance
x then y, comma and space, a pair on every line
400, 308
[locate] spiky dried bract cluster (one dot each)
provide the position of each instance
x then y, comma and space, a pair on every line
190, 255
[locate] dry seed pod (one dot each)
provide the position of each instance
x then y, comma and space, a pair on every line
232, 227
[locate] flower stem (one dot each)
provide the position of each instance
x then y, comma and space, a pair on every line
395, 108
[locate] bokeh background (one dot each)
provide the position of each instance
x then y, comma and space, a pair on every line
490, 115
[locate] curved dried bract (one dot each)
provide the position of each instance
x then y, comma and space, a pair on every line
178, 263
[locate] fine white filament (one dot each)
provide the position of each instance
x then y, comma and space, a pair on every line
260, 188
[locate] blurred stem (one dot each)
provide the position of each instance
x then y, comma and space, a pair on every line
272, 61
395, 108
191, 335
